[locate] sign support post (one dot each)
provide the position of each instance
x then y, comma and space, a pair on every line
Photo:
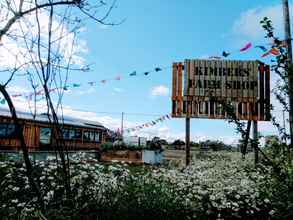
187, 140
255, 141
246, 138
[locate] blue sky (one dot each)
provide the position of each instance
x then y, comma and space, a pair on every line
155, 34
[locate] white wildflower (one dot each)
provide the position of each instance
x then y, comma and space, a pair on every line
266, 200
15, 189
14, 201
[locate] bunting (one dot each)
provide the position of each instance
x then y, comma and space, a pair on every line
150, 123
266, 52
29, 96
272, 51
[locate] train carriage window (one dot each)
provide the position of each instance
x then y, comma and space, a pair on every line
97, 137
86, 136
65, 133
7, 130
92, 136
11, 131
45, 135
3, 130
77, 134
71, 134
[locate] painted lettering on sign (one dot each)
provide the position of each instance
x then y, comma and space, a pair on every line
221, 78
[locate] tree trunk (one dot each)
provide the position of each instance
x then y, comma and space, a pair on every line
59, 141
19, 135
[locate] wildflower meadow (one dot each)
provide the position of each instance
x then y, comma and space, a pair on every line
216, 186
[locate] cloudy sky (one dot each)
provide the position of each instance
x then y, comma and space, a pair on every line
155, 34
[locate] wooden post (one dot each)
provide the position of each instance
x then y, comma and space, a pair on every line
290, 74
244, 147
187, 140
255, 141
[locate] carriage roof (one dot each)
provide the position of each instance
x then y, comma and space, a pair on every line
44, 118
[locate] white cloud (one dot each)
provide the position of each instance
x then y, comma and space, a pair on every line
248, 24
160, 90
87, 91
118, 90
14, 51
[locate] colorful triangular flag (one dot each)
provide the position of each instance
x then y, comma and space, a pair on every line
133, 73
266, 54
245, 47
264, 49
274, 51
225, 54
16, 95
91, 83
2, 101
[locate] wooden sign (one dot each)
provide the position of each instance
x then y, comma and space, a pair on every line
207, 88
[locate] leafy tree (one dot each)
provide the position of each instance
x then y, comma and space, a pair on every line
155, 144
43, 33
214, 145
178, 142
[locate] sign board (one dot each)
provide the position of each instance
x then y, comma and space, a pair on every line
207, 87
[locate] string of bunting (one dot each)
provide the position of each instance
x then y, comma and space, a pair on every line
150, 123
272, 50
78, 85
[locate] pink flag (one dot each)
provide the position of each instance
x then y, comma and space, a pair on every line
246, 47
52, 90
118, 78
40, 92
16, 95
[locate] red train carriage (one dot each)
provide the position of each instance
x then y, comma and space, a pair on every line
77, 134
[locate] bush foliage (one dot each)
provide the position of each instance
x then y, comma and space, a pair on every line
219, 186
